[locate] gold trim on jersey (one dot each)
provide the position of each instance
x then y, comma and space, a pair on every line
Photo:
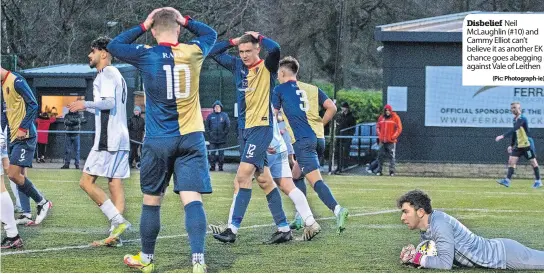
15, 105
314, 120
188, 61
257, 96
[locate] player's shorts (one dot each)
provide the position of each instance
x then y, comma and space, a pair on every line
306, 154
185, 157
520, 257
526, 152
21, 152
109, 164
279, 165
255, 142
320, 147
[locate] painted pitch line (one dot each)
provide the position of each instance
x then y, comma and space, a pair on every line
53, 249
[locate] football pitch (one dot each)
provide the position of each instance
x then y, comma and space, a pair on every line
371, 243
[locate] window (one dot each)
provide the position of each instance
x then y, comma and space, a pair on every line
57, 104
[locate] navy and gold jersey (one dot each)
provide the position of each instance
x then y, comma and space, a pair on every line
520, 133
20, 107
300, 103
254, 84
171, 74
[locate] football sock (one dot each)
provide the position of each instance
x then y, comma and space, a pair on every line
150, 225
231, 209
29, 189
7, 216
276, 208
15, 193
25, 202
537, 173
510, 173
302, 206
146, 258
300, 184
325, 194
198, 258
240, 206
195, 224
111, 212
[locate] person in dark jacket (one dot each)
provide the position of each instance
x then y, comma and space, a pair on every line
217, 128
136, 128
344, 127
72, 122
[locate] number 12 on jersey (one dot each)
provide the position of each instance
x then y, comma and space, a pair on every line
176, 88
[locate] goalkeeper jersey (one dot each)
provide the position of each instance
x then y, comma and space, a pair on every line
457, 245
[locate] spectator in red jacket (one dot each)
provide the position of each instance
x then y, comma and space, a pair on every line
44, 122
389, 127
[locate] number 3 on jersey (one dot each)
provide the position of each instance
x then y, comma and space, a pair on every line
180, 90
304, 103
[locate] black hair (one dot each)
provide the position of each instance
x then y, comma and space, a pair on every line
100, 43
418, 199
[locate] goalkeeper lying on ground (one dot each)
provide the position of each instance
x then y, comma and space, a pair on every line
456, 244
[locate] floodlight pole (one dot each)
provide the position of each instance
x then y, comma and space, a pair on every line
337, 75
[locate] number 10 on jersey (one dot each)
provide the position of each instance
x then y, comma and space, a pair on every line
176, 87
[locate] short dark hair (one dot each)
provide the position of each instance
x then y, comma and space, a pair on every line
248, 38
100, 43
416, 198
165, 20
291, 63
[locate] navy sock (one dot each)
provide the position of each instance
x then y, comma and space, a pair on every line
25, 201
240, 206
325, 194
535, 169
30, 191
276, 208
300, 184
195, 224
150, 225
510, 173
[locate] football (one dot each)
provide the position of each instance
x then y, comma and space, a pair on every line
427, 248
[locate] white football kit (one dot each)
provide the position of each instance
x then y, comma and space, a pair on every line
109, 155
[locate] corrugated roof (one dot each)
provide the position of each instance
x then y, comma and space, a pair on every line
69, 70
445, 28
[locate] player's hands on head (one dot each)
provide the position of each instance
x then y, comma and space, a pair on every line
498, 138
76, 106
407, 254
149, 20
181, 20
253, 33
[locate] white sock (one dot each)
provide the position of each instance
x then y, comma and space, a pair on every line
111, 212
302, 206
337, 210
7, 216
43, 201
229, 222
15, 193
198, 258
284, 228
233, 228
146, 258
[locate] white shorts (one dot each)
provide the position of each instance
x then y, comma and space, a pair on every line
109, 164
279, 165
